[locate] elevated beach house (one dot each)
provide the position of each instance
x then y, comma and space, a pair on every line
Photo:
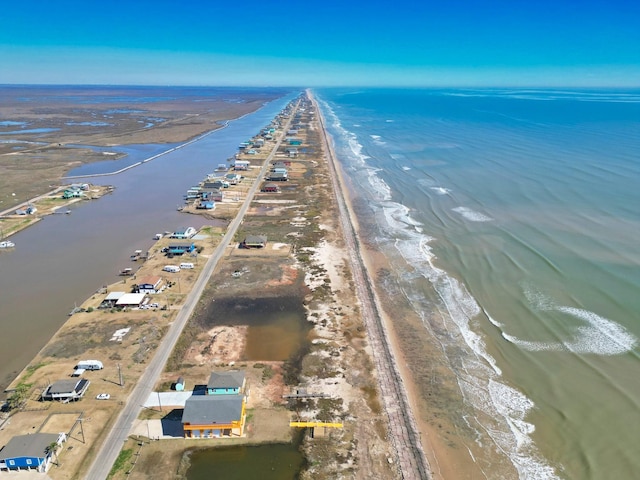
226, 383
254, 241
30, 452
183, 233
66, 390
179, 248
151, 284
210, 416
270, 188
277, 176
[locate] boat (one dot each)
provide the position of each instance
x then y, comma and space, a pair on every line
7, 244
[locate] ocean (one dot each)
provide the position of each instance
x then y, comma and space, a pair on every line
510, 223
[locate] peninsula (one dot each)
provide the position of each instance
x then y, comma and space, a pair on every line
279, 291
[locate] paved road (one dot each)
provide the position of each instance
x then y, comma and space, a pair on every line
403, 431
112, 445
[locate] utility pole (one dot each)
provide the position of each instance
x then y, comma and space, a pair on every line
121, 382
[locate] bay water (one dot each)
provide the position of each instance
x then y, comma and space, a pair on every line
513, 215
64, 259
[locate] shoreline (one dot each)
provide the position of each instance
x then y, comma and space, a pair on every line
371, 448
403, 424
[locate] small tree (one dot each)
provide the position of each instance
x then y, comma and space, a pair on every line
53, 448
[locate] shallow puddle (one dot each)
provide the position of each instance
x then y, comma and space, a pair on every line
277, 325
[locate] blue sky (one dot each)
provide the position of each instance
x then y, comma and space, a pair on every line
386, 43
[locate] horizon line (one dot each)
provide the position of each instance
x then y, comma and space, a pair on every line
293, 87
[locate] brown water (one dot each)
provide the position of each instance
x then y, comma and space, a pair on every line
282, 461
64, 259
278, 327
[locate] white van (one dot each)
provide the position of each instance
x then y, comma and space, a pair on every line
186, 265
171, 268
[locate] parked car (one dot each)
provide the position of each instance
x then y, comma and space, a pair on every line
103, 396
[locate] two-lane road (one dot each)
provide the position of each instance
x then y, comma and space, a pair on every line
113, 442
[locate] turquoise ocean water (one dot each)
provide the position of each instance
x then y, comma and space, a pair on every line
513, 215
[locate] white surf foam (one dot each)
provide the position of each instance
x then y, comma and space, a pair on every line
471, 215
597, 335
441, 190
405, 168
501, 410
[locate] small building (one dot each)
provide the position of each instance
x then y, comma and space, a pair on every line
279, 170
254, 241
179, 386
150, 284
270, 188
131, 300
210, 416
27, 452
226, 383
66, 390
183, 233
294, 141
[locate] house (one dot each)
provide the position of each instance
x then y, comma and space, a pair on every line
66, 390
184, 232
241, 165
291, 151
277, 177
69, 193
206, 205
150, 284
178, 248
207, 416
226, 383
279, 170
131, 300
254, 241
26, 452
270, 188
212, 195
294, 141
233, 178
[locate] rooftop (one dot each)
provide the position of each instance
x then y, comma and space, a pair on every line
33, 445
212, 409
231, 379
